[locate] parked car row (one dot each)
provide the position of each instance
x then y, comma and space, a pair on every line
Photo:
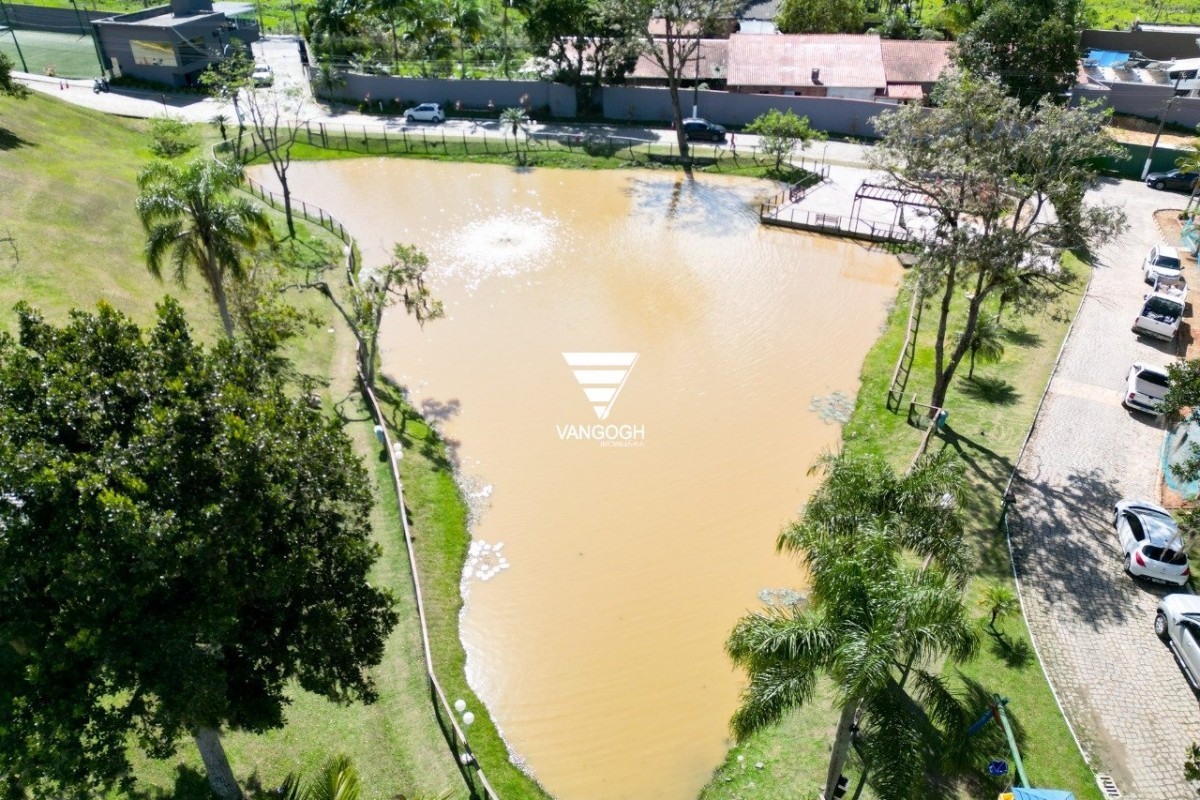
1162, 309
1151, 544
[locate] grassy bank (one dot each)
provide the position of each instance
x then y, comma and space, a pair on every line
329, 143
989, 418
69, 178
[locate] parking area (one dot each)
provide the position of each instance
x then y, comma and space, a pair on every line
1123, 693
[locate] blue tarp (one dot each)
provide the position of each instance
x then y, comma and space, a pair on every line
1042, 794
1106, 58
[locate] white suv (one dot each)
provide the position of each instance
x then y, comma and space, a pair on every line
1163, 262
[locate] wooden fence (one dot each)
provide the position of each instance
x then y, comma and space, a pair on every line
456, 737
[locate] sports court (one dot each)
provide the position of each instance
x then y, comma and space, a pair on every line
67, 55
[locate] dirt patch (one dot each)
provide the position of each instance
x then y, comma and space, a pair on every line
1171, 227
1134, 130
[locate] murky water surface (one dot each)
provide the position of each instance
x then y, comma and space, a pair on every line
607, 574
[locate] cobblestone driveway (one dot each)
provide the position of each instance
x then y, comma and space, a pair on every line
1125, 696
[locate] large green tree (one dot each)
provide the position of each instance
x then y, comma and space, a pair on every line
781, 133
668, 32
8, 84
184, 537
193, 218
1001, 191
1032, 46
585, 48
870, 612
820, 16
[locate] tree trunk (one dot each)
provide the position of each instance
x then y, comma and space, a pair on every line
680, 133
395, 46
216, 765
287, 202
841, 748
217, 284
971, 371
939, 343
946, 374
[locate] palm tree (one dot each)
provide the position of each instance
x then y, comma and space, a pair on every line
1191, 163
920, 508
191, 215
338, 780
327, 78
1000, 601
865, 612
519, 120
987, 343
468, 20
390, 10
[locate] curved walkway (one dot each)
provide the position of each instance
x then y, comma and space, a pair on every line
1130, 705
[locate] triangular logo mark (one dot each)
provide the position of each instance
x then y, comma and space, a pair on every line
602, 376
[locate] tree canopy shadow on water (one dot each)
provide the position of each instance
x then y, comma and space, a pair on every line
693, 204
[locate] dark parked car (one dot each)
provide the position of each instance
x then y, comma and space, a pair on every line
696, 129
1176, 180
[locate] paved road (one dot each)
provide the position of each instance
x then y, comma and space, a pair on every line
1125, 696
283, 54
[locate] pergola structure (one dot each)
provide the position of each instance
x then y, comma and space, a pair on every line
898, 198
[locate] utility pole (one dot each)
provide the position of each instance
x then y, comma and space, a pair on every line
696, 85
1162, 121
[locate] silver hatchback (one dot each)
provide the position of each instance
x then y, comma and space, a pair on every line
1151, 542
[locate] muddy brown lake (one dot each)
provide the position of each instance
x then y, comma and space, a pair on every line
636, 376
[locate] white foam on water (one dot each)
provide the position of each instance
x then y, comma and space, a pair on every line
502, 245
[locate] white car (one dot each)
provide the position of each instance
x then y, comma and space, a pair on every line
426, 112
262, 75
1178, 624
1163, 262
1145, 387
1160, 315
1151, 543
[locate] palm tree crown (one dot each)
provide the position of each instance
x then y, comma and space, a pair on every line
192, 218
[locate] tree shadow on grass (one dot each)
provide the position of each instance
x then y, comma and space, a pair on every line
190, 784
995, 391
989, 471
11, 141
1016, 654
1022, 337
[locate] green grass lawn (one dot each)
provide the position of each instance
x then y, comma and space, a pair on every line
989, 419
69, 187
